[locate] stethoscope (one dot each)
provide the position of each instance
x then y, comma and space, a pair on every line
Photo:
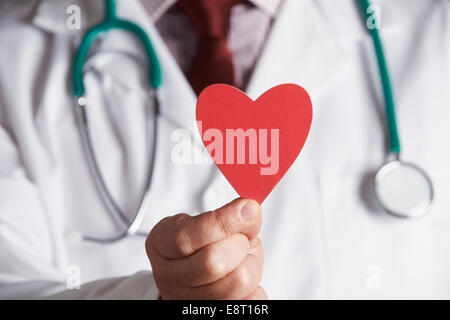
111, 21
400, 188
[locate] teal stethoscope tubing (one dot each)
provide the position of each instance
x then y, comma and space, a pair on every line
389, 104
110, 22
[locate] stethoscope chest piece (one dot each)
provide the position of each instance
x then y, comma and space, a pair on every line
403, 189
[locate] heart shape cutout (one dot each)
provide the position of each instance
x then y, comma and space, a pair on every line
253, 143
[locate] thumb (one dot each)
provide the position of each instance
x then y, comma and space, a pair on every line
239, 216
182, 235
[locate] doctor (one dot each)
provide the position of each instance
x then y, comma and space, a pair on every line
322, 235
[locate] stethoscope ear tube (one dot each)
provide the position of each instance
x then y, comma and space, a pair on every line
111, 21
130, 226
389, 102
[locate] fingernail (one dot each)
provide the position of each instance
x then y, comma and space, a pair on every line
249, 211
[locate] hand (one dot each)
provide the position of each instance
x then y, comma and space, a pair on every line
214, 255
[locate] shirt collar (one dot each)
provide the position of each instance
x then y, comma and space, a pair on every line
157, 8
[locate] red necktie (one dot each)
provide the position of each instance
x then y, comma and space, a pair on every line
213, 62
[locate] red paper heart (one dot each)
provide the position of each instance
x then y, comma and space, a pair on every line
284, 110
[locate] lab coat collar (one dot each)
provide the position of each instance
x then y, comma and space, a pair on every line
305, 27
302, 29
51, 15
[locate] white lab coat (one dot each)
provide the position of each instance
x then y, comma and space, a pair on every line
322, 235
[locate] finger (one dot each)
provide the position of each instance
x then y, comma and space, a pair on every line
181, 235
257, 250
207, 265
258, 294
235, 286
253, 242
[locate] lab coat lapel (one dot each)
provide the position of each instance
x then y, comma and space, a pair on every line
299, 50
176, 95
